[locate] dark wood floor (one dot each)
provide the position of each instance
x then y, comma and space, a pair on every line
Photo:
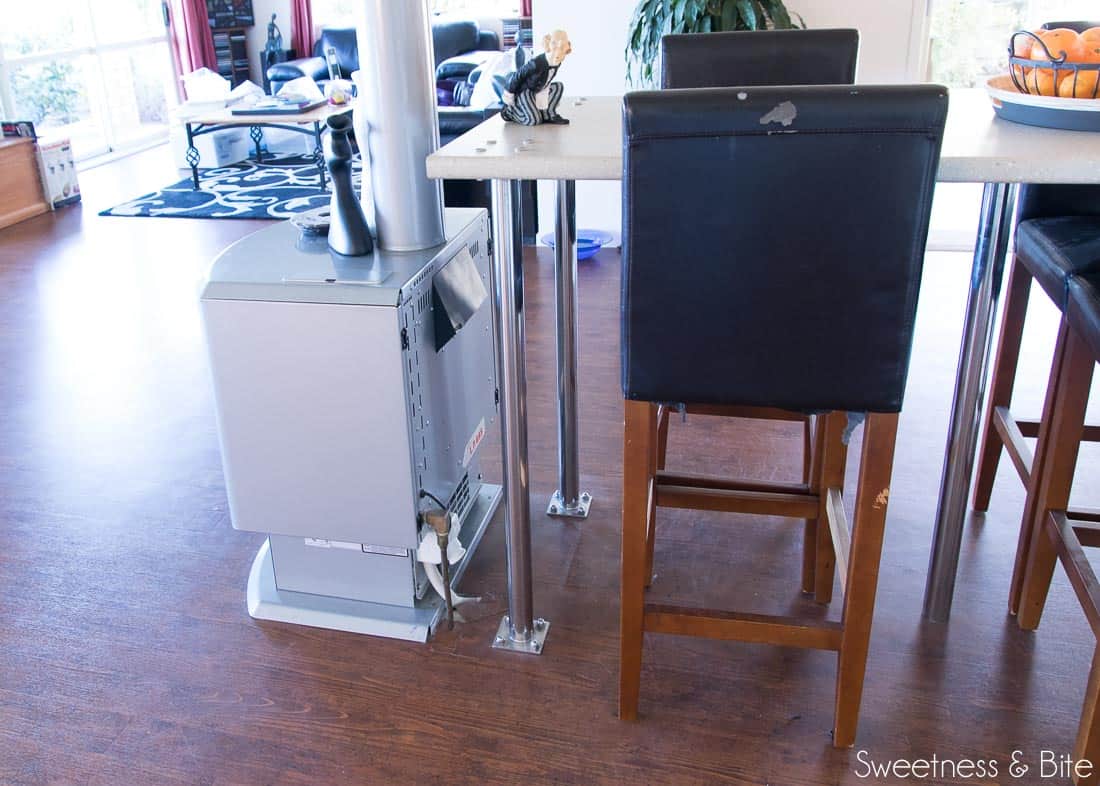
127, 655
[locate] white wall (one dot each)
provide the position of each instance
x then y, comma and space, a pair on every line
891, 50
891, 33
257, 35
597, 67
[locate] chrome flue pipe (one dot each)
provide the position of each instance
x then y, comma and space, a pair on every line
396, 119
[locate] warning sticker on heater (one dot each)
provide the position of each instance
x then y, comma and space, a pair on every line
472, 444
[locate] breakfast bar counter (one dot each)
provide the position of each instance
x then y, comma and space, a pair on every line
977, 148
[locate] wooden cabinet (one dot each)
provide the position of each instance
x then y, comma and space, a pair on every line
231, 50
517, 32
20, 186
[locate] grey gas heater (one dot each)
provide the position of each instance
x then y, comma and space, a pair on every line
353, 393
342, 391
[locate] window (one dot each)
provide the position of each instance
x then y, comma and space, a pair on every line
969, 38
97, 71
341, 13
333, 13
477, 7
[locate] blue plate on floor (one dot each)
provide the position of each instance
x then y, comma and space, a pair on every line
589, 241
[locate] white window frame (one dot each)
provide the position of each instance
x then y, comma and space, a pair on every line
96, 83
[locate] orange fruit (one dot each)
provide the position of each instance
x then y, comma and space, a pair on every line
1044, 83
1085, 83
1084, 87
1059, 41
1021, 44
1090, 45
1021, 47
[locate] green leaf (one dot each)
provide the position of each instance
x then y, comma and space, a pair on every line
678, 13
781, 20
653, 19
729, 15
748, 15
694, 13
761, 16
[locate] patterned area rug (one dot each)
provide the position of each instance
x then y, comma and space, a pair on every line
277, 188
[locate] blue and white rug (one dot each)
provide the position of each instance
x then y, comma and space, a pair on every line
277, 188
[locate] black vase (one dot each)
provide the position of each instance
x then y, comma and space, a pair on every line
348, 232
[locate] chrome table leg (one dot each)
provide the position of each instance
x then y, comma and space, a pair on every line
518, 631
962, 433
568, 501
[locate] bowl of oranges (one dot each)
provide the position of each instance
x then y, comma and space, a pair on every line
1053, 79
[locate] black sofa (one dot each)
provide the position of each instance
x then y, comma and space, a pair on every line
460, 47
455, 59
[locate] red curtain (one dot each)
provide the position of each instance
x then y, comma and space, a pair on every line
526, 7
189, 28
301, 28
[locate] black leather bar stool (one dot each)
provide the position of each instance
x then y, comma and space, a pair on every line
1057, 535
761, 58
1057, 237
1048, 220
738, 307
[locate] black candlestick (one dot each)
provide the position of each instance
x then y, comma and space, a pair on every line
348, 233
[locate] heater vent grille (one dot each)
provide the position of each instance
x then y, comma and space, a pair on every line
460, 500
425, 274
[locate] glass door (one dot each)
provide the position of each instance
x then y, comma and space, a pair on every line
96, 71
969, 38
968, 44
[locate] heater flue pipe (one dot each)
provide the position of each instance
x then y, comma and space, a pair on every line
396, 120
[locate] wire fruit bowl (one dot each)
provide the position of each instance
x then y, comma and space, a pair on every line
1026, 71
1016, 95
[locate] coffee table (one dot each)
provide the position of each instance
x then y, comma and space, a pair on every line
311, 123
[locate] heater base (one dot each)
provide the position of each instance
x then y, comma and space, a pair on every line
267, 602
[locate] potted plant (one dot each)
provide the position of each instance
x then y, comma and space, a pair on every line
655, 18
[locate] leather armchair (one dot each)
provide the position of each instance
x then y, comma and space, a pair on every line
460, 47
342, 39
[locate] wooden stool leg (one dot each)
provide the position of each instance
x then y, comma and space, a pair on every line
868, 529
834, 455
1052, 472
663, 413
661, 448
639, 464
1042, 449
811, 469
1087, 746
1004, 378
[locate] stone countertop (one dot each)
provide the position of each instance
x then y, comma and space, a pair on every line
978, 147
